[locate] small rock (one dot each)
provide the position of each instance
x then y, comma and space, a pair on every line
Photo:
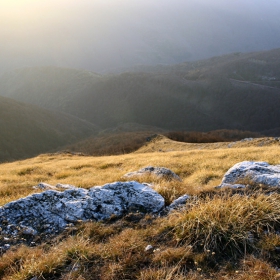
65, 186
76, 267
234, 186
44, 186
160, 172
7, 246
149, 248
179, 202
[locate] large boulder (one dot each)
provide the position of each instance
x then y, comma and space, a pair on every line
252, 172
160, 172
51, 211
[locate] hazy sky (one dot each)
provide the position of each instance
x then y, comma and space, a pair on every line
101, 35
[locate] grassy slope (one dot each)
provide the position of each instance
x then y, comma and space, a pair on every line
28, 130
199, 165
201, 95
116, 250
164, 144
130, 137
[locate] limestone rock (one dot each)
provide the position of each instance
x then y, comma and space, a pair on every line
65, 186
52, 210
149, 248
45, 186
256, 172
234, 186
179, 202
160, 172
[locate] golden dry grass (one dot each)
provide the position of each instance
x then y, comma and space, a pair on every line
199, 169
227, 225
117, 251
164, 144
210, 240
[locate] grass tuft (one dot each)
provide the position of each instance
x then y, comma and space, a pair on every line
227, 225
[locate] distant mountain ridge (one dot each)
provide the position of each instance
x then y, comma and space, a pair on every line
48, 87
236, 91
27, 130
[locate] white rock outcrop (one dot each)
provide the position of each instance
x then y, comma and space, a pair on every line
254, 172
160, 172
51, 210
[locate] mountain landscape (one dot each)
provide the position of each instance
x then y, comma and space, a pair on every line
140, 140
237, 91
48, 108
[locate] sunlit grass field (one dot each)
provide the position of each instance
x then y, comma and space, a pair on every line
211, 239
198, 169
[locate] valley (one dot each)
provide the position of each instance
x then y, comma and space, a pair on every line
236, 91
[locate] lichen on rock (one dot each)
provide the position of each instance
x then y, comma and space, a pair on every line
260, 173
51, 211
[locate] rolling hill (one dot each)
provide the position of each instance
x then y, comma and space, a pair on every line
27, 130
237, 91
129, 138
